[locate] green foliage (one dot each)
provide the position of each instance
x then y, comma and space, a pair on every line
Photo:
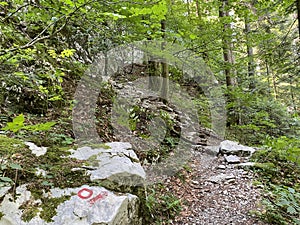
18, 124
286, 148
6, 181
280, 176
282, 205
254, 117
160, 208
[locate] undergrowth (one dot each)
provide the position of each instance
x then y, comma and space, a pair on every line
281, 179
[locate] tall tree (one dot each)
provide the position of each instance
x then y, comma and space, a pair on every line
250, 55
165, 66
227, 44
298, 15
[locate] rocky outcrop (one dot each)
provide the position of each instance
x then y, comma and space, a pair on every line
117, 167
234, 148
86, 206
113, 165
233, 152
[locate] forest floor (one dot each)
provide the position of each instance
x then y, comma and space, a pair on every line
234, 200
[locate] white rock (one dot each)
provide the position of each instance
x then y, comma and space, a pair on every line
221, 167
232, 159
221, 177
38, 151
118, 166
4, 190
234, 148
100, 207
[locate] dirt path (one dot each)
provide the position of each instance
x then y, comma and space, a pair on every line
215, 193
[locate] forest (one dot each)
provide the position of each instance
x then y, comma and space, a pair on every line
250, 47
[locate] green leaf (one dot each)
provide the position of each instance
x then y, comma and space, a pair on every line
3, 3
15, 166
67, 53
114, 16
291, 210
193, 36
19, 119
40, 127
16, 125
46, 183
69, 2
6, 179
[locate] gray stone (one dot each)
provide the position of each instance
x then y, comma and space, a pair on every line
232, 159
4, 190
221, 167
221, 177
117, 168
38, 151
212, 150
86, 206
234, 148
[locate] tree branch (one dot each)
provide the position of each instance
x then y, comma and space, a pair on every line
39, 37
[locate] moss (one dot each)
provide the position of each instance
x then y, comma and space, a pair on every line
10, 146
104, 146
29, 211
49, 207
46, 211
1, 215
92, 161
265, 166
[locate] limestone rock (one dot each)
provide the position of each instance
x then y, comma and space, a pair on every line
38, 151
118, 168
246, 165
212, 150
221, 177
221, 167
234, 148
4, 190
232, 159
86, 206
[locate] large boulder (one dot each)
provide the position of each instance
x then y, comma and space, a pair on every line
234, 148
116, 167
85, 206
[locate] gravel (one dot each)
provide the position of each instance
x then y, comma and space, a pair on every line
230, 199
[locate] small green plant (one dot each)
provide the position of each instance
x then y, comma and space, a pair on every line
282, 205
134, 118
167, 118
18, 124
161, 207
4, 168
279, 169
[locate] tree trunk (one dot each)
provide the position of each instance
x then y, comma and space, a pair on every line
198, 9
227, 47
298, 14
165, 68
154, 73
251, 65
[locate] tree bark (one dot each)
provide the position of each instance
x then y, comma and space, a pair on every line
165, 67
198, 9
227, 47
153, 70
298, 15
251, 65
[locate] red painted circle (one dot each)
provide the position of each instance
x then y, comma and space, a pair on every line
90, 193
